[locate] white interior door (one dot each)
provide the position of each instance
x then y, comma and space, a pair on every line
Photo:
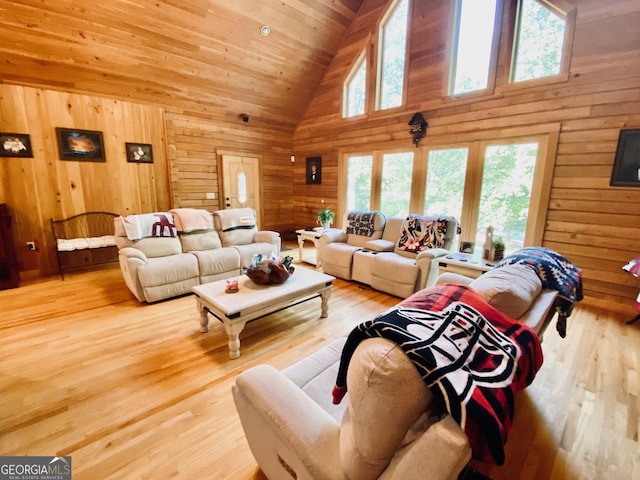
241, 182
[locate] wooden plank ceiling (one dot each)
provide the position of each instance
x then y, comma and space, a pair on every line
202, 58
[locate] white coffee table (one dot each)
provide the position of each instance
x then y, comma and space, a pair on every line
253, 301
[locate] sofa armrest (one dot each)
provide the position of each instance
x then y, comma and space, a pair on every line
131, 252
281, 422
266, 236
443, 451
332, 235
131, 259
451, 277
432, 253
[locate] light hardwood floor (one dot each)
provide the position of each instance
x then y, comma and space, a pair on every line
135, 391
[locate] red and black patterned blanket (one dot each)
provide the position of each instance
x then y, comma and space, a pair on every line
468, 353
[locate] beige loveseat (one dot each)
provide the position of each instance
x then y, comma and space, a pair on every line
389, 427
390, 255
165, 256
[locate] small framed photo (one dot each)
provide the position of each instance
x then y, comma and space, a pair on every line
466, 247
314, 170
74, 144
626, 167
139, 152
15, 145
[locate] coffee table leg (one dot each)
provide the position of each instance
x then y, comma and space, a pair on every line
325, 303
204, 318
233, 332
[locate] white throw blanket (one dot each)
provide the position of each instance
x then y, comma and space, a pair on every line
192, 219
237, 218
159, 224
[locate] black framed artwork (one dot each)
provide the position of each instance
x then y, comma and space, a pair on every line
626, 167
314, 170
74, 144
139, 152
15, 145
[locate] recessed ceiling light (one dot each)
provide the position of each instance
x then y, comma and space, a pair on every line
265, 30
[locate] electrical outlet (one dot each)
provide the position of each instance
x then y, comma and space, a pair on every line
31, 246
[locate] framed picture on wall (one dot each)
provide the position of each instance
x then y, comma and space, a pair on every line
139, 152
626, 167
74, 144
314, 170
15, 145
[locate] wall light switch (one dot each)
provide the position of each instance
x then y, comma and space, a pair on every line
211, 196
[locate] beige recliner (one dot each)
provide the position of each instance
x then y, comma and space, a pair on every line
337, 247
387, 426
238, 228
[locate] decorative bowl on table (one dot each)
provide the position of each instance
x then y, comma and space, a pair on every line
271, 271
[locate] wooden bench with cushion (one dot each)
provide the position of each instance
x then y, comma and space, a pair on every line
89, 233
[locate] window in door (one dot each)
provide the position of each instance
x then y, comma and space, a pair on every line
507, 181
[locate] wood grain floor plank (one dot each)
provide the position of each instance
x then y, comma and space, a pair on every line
135, 391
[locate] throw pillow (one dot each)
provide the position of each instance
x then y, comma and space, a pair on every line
511, 288
361, 223
421, 232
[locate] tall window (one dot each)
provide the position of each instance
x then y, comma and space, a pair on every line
507, 179
473, 45
444, 189
392, 48
359, 169
540, 34
481, 183
355, 89
395, 192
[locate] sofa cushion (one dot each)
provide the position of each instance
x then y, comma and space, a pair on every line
154, 247
201, 240
422, 232
218, 261
167, 270
386, 394
236, 226
354, 234
511, 288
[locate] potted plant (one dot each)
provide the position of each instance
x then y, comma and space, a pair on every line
498, 249
325, 217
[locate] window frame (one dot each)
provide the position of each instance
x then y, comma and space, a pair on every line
561, 8
451, 54
500, 75
362, 57
546, 136
379, 55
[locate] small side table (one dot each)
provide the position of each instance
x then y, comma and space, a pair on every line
464, 264
311, 236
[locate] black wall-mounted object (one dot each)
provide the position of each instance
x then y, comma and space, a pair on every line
418, 127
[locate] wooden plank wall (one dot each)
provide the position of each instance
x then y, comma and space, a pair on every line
43, 187
194, 151
594, 225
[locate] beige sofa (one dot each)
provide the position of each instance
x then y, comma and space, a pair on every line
389, 427
382, 257
159, 264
